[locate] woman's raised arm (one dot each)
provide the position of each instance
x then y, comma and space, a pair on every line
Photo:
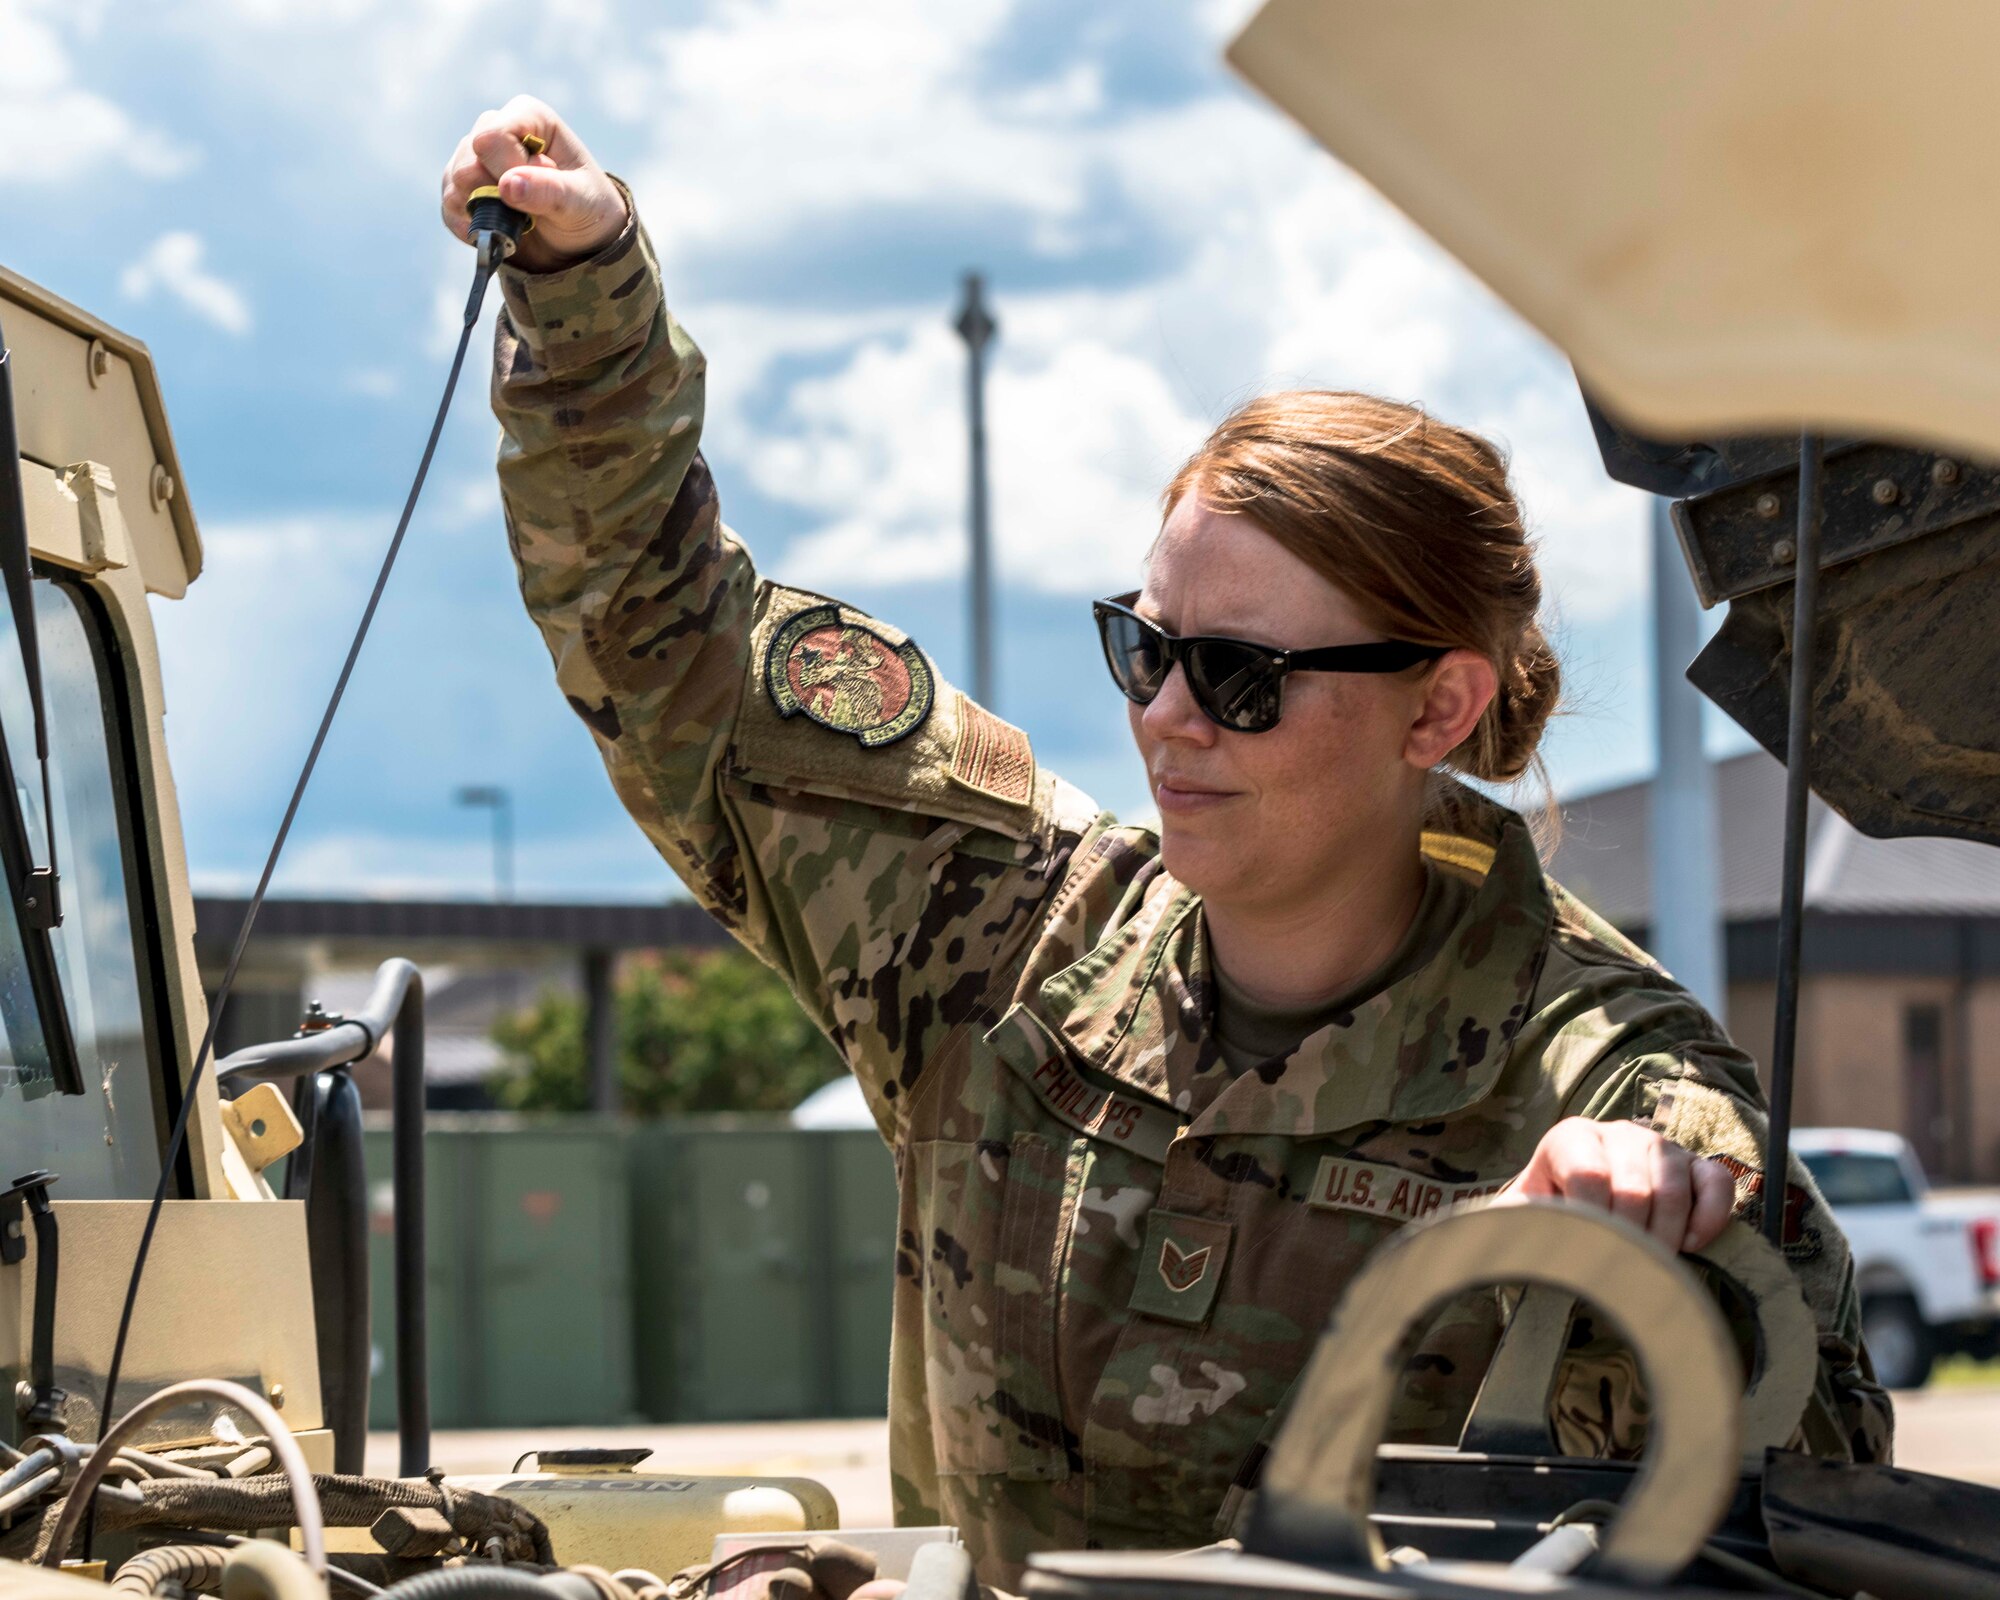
879, 839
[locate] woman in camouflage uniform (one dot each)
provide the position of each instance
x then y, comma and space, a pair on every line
1153, 1096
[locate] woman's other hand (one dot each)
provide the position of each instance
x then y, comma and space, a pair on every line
1681, 1199
577, 209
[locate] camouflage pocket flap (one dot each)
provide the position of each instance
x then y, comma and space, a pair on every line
1043, 1065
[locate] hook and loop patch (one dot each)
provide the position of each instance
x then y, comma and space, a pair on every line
1182, 1266
992, 757
846, 676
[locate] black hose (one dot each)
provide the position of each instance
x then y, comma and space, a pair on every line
413, 1362
337, 1248
483, 1582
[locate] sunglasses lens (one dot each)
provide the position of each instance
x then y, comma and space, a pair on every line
1234, 685
1132, 650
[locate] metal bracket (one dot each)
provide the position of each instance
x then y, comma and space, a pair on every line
32, 1190
1740, 538
43, 1404
1510, 1415
263, 1125
41, 898
105, 540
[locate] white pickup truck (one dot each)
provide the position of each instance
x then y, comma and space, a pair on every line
1927, 1261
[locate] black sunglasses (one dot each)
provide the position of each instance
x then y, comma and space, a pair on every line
1237, 684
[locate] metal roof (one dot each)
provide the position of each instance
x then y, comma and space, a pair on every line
1603, 856
416, 922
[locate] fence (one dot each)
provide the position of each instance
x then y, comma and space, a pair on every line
586, 1271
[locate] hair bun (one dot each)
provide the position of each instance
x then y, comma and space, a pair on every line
1530, 686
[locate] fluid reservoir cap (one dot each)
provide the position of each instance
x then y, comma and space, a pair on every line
590, 1460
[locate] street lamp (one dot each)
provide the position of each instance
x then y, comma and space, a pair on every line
492, 797
976, 326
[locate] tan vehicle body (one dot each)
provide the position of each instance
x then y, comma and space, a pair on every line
104, 499
228, 1290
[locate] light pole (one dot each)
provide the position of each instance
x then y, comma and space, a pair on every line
977, 328
492, 797
1686, 933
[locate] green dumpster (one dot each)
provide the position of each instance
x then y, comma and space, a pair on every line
762, 1268
863, 1214
529, 1272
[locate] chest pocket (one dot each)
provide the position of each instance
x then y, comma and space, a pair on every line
992, 1214
998, 1215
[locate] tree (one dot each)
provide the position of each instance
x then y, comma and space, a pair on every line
708, 1030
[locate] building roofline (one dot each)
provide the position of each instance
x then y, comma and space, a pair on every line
615, 926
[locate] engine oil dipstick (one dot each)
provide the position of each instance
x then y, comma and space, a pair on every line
496, 226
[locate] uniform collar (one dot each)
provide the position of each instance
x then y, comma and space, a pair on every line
1430, 1044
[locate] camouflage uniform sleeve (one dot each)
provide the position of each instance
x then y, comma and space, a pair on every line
890, 885
1704, 1096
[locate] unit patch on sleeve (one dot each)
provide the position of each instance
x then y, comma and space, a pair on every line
847, 677
1388, 1192
992, 757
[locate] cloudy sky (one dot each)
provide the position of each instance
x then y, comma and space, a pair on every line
250, 186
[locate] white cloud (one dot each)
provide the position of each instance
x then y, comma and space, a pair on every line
237, 663
469, 502
771, 115
1083, 434
1282, 270
173, 263
765, 121
377, 383
57, 130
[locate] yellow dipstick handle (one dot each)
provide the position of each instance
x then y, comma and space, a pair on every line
496, 226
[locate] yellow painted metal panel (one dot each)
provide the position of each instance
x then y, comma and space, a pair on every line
227, 1295
68, 411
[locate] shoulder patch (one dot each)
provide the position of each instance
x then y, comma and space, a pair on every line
847, 677
1701, 1118
992, 757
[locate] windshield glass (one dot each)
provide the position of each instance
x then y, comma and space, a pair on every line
103, 1143
1849, 1179
25, 1068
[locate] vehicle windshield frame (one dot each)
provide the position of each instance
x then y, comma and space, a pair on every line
35, 921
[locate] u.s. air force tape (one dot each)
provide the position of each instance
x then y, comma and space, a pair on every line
1341, 1184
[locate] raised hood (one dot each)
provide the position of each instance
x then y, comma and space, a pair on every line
1738, 222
